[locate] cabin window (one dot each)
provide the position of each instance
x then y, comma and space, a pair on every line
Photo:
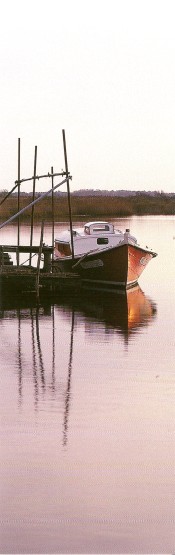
101, 228
102, 241
63, 249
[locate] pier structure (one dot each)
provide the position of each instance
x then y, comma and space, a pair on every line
22, 278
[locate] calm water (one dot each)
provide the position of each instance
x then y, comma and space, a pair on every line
88, 414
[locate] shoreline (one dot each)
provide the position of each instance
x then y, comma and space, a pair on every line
89, 207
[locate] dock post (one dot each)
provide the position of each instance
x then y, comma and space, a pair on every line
39, 261
47, 262
1, 257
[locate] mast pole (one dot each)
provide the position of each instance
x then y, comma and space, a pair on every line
53, 223
68, 192
18, 234
33, 198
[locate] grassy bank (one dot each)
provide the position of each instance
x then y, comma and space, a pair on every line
91, 207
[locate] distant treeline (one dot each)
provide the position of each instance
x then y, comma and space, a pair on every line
89, 206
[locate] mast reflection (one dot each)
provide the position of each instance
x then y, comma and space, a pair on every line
41, 364
35, 373
123, 314
53, 350
20, 382
68, 389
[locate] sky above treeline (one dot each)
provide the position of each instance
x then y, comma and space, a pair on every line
102, 70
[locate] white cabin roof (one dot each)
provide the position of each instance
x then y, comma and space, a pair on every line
96, 223
91, 228
98, 227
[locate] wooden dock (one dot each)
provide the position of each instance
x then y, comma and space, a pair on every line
20, 280
46, 251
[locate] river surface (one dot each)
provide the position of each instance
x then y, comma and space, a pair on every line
88, 413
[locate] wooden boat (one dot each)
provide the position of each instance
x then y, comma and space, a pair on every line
105, 257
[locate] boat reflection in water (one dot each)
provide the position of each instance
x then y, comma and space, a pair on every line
44, 357
125, 312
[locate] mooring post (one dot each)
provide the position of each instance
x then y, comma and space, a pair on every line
68, 192
33, 198
18, 237
39, 261
1, 257
47, 261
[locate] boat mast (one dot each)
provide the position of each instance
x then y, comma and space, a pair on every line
18, 234
68, 192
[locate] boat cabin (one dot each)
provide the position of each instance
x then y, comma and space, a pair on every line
98, 227
94, 236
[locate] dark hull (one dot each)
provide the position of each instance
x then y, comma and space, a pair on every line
115, 267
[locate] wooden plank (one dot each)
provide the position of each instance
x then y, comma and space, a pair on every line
26, 248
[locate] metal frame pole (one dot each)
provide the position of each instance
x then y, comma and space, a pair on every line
33, 198
18, 233
68, 192
43, 195
53, 215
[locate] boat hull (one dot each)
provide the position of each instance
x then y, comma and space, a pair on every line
119, 266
